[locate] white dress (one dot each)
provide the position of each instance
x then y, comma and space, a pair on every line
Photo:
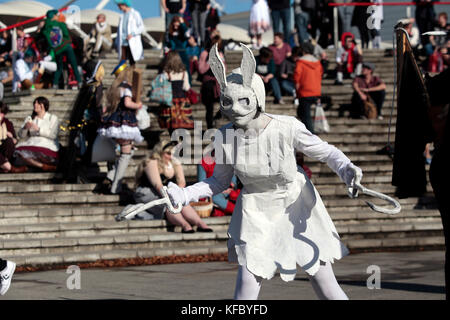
259, 17
279, 220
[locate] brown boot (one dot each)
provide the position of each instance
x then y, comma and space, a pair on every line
48, 168
22, 169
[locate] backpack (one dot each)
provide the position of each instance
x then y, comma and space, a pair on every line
161, 90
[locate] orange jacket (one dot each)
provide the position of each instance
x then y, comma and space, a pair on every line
308, 77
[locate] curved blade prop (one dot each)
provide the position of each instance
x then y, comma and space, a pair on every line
131, 211
397, 207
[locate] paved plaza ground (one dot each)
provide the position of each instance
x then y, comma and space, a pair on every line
403, 275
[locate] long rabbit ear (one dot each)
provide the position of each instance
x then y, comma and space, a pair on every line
248, 66
217, 67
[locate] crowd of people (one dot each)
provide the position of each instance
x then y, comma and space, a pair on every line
293, 66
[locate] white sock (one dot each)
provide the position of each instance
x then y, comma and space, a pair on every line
121, 167
247, 285
325, 284
340, 76
377, 42
358, 69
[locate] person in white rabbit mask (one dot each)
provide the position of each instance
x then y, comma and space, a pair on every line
279, 220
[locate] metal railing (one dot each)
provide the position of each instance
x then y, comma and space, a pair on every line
368, 4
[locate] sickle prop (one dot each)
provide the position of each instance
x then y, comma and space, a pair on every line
397, 207
131, 211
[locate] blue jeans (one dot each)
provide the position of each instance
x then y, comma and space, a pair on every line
301, 22
288, 86
275, 86
285, 16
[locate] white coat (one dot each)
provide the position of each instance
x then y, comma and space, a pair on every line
135, 27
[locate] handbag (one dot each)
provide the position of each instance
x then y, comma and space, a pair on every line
193, 96
320, 120
161, 90
143, 118
104, 149
370, 109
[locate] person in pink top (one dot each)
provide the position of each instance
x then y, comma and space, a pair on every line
281, 51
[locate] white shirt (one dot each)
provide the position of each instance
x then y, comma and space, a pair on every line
47, 137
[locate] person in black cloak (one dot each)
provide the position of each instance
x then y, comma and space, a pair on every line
84, 120
440, 169
423, 117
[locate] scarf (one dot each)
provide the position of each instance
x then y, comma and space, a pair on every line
349, 52
101, 27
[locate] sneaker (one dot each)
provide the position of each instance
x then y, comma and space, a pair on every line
22, 169
380, 118
48, 168
5, 277
296, 102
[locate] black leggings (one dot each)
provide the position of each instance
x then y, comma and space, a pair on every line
364, 33
2, 264
208, 99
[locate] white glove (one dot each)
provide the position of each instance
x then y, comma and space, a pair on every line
352, 176
188, 194
176, 194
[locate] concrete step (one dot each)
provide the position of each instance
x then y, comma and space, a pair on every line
97, 228
73, 199
50, 215
93, 256
364, 215
26, 189
355, 237
418, 242
108, 243
348, 204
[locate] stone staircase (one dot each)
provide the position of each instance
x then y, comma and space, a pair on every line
44, 222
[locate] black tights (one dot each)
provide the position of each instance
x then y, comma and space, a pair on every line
2, 264
208, 99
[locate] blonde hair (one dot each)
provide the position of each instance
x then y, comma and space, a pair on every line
156, 154
113, 94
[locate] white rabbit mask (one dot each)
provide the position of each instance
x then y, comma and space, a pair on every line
242, 93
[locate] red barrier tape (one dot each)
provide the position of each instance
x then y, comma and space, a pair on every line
28, 21
365, 4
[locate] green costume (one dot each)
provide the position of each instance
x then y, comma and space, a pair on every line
60, 42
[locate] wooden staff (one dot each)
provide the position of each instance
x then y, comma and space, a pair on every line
137, 85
